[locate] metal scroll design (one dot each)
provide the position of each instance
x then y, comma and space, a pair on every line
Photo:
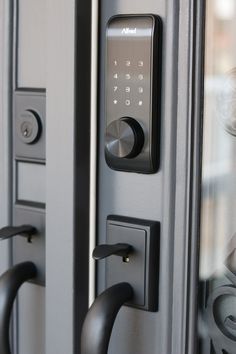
220, 311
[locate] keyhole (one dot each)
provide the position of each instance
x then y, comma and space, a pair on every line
26, 132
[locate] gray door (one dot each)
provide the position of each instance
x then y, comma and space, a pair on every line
131, 197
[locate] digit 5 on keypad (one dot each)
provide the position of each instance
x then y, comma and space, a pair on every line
133, 93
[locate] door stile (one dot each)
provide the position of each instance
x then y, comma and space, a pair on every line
188, 175
5, 125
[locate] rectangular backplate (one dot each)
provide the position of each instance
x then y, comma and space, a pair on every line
133, 83
30, 101
141, 268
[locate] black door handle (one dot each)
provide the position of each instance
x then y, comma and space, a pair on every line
119, 249
99, 321
10, 282
230, 321
23, 230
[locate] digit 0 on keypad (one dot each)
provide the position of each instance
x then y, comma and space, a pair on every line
133, 93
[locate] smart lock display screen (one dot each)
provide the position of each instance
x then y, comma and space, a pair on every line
131, 82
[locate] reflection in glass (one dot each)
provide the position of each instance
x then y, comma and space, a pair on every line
217, 269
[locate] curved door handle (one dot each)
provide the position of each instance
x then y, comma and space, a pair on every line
99, 321
119, 249
230, 321
10, 282
23, 230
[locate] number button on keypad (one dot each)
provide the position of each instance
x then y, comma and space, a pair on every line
140, 89
140, 77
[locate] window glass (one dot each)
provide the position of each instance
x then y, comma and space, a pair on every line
217, 269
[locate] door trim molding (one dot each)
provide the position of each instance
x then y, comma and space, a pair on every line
93, 147
6, 36
61, 230
188, 174
85, 160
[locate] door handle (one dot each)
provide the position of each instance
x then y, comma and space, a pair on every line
10, 282
23, 230
99, 321
230, 321
119, 249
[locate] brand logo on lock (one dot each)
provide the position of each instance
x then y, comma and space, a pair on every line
128, 30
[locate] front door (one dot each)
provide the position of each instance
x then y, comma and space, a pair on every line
117, 160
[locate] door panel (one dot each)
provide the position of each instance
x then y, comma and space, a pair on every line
60, 146
139, 196
32, 35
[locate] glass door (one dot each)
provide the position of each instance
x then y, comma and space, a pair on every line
217, 266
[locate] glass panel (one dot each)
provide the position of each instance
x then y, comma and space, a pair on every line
217, 308
32, 44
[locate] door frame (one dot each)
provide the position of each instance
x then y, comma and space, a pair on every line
69, 60
188, 175
6, 34
188, 100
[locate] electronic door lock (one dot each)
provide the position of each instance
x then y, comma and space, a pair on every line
133, 96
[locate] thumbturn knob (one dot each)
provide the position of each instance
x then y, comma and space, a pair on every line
124, 138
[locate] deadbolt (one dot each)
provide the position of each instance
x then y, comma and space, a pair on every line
133, 85
29, 126
124, 138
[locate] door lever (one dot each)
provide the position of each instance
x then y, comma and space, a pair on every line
119, 249
23, 230
230, 321
10, 282
99, 321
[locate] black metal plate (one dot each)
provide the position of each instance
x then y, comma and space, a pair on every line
142, 269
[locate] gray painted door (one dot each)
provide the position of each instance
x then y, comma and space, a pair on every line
163, 196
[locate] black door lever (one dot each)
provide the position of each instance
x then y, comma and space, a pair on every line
10, 282
99, 321
119, 249
23, 230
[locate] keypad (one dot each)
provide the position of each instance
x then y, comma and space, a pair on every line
128, 81
130, 53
